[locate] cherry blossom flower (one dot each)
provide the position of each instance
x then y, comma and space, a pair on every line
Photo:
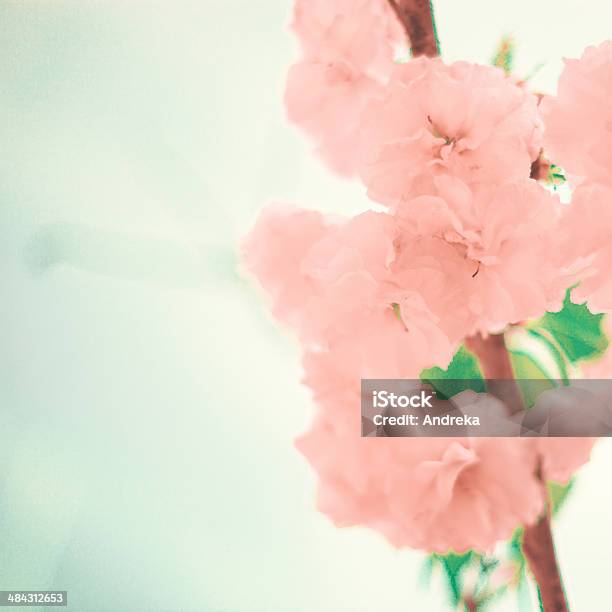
273, 252
467, 120
578, 133
488, 253
426, 275
330, 278
587, 248
561, 457
327, 99
438, 494
363, 33
349, 48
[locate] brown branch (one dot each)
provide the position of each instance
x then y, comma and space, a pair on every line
540, 168
417, 19
497, 369
538, 545
539, 549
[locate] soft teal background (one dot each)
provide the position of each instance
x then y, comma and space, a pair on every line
148, 403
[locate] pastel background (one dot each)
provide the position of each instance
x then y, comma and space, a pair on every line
147, 402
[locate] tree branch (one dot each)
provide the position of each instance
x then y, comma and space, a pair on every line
539, 168
417, 19
538, 545
497, 369
539, 549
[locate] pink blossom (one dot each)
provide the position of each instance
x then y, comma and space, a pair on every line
587, 248
385, 294
424, 276
327, 99
273, 252
483, 257
467, 120
349, 48
578, 133
363, 33
561, 457
331, 280
437, 494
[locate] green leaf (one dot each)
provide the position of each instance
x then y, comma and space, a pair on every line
555, 176
504, 55
515, 551
398, 314
557, 494
531, 378
526, 367
453, 565
576, 329
555, 351
427, 571
462, 373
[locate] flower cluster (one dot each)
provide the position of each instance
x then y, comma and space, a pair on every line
429, 493
468, 243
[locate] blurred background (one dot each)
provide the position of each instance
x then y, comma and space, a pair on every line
148, 403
